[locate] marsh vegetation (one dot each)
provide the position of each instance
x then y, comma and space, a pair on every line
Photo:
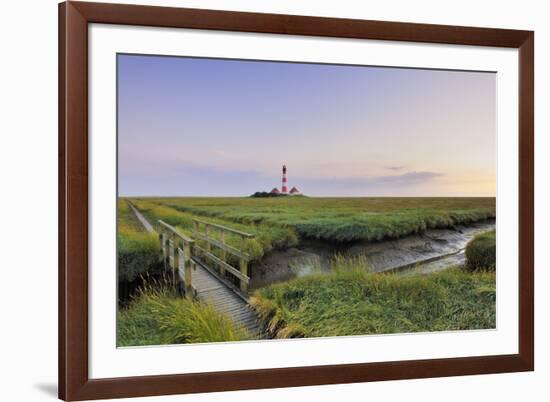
159, 316
280, 223
348, 299
481, 252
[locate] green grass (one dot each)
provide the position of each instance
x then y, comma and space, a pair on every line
267, 237
138, 250
481, 252
348, 301
352, 301
280, 222
159, 317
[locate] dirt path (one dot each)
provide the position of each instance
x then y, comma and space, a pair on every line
142, 218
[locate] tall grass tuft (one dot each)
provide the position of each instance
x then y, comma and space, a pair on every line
481, 252
138, 254
157, 316
353, 301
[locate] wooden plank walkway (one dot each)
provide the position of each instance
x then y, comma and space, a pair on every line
212, 290
141, 218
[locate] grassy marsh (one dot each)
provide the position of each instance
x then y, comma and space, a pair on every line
138, 250
481, 252
157, 316
280, 222
353, 301
348, 301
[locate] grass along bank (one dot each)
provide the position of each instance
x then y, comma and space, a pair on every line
481, 252
280, 221
267, 237
352, 301
157, 316
138, 250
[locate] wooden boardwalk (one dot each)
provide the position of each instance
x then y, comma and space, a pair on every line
212, 290
142, 218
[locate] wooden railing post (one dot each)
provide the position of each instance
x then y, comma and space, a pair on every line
173, 259
208, 247
184, 268
223, 253
196, 229
222, 248
163, 245
188, 279
187, 272
243, 267
178, 252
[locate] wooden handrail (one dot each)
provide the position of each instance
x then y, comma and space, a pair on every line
176, 257
227, 267
241, 273
175, 231
224, 246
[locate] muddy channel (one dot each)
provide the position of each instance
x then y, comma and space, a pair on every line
432, 251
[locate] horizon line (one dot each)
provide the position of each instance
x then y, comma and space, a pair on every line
309, 196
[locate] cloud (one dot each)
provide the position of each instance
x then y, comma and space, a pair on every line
409, 177
395, 168
192, 180
413, 182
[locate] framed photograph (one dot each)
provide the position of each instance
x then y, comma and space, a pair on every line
260, 200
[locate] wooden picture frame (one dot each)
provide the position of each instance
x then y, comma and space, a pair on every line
74, 381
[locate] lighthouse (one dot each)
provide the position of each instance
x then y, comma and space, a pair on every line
283, 188
275, 192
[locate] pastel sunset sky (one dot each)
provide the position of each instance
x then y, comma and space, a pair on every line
213, 127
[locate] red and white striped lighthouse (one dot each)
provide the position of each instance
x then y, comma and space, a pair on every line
284, 189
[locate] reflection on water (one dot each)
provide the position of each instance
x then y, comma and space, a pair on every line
306, 266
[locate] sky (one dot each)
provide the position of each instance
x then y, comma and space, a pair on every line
217, 127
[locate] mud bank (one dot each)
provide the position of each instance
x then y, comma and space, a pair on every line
431, 251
